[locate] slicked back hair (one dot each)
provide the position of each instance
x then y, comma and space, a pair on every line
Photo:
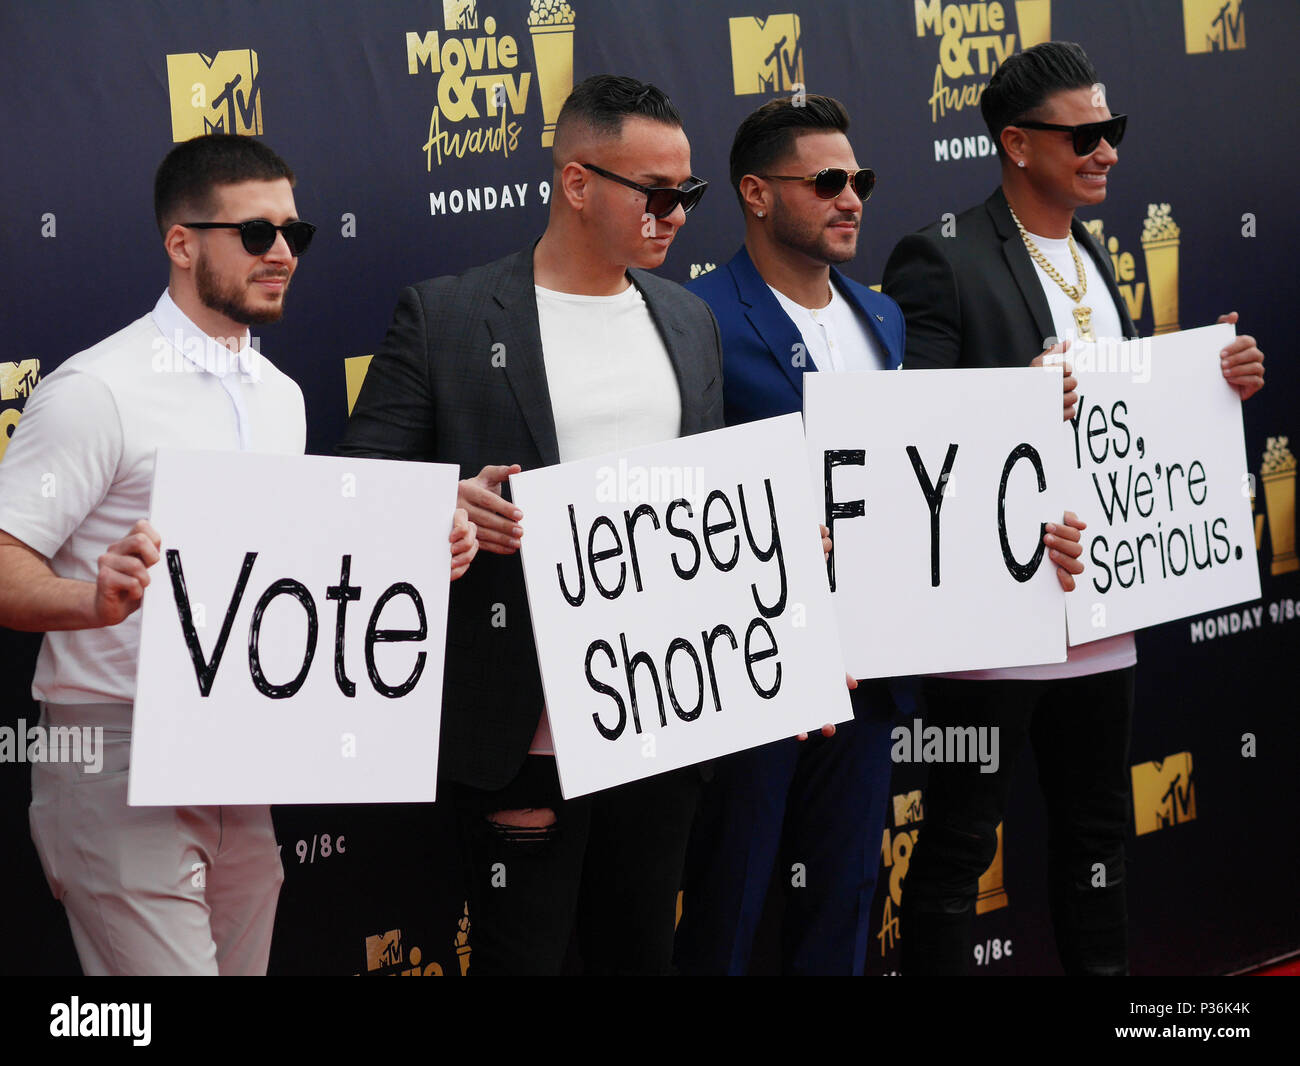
1023, 83
768, 135
192, 170
603, 101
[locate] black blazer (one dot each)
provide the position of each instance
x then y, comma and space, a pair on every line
460, 379
974, 299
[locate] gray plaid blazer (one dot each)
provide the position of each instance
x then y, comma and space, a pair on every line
433, 394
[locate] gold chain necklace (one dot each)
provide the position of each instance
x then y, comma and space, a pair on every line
1082, 314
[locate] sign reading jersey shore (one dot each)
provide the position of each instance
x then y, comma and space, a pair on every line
293, 632
679, 603
936, 485
1159, 473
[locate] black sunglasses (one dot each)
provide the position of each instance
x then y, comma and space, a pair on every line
829, 183
660, 201
1087, 135
258, 234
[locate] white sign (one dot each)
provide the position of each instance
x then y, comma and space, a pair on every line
936, 485
679, 603
1158, 471
293, 632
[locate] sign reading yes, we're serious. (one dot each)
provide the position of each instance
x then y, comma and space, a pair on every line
1158, 471
679, 602
292, 635
936, 487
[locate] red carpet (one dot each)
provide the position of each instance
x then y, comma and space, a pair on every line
1287, 968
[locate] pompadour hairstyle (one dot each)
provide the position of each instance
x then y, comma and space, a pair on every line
191, 171
1022, 84
768, 134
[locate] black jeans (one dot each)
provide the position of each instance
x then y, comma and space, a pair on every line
1079, 728
609, 868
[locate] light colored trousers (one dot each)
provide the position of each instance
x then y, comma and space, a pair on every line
151, 890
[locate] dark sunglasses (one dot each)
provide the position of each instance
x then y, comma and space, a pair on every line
258, 234
829, 183
1088, 135
659, 201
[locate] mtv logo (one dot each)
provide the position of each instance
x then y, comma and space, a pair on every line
1213, 26
766, 56
459, 15
214, 95
384, 950
907, 808
1163, 793
18, 379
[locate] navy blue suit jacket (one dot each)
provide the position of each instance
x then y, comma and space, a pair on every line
760, 376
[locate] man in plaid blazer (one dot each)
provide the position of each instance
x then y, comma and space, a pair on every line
563, 350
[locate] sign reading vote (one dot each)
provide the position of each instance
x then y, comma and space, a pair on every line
1158, 471
679, 603
293, 631
936, 486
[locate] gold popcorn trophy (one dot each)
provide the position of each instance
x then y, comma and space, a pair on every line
1034, 21
462, 941
1279, 475
550, 23
1160, 243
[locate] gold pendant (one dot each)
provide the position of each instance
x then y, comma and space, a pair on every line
1083, 319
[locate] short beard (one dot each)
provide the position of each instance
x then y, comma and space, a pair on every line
811, 243
231, 300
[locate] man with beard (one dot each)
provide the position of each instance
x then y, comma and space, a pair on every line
74, 564
783, 310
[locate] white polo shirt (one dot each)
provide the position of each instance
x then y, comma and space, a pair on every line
79, 470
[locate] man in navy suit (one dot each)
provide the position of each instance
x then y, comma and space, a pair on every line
815, 809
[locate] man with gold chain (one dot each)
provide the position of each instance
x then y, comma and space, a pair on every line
996, 286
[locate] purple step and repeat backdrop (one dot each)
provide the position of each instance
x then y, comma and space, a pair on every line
413, 163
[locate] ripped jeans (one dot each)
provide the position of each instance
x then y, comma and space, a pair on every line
608, 869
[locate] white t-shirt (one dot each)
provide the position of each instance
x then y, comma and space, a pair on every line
1111, 653
611, 381
612, 385
78, 472
836, 338
1104, 319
